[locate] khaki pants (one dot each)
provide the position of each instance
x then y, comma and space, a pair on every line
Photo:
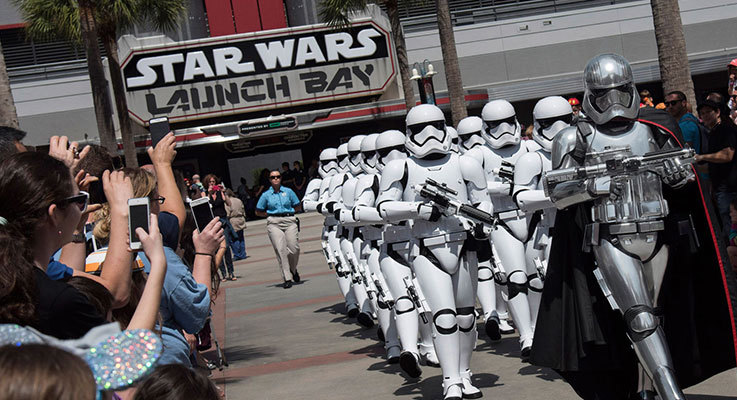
285, 240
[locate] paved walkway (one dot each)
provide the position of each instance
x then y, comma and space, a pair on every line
296, 343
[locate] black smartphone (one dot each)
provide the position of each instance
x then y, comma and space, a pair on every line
138, 210
97, 194
202, 212
158, 127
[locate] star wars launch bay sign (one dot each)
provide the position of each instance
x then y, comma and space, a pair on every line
257, 71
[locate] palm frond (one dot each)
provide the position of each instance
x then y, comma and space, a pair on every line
50, 19
336, 13
165, 15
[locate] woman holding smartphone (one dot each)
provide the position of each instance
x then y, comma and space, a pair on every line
218, 200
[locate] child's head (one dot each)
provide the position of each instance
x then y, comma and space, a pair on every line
39, 371
175, 381
733, 211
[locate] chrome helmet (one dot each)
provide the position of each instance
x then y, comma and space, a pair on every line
609, 89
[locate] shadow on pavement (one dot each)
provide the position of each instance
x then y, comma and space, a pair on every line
246, 353
335, 309
507, 347
432, 387
545, 374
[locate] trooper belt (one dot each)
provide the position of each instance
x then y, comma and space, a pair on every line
634, 227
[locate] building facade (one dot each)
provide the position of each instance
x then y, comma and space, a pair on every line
519, 50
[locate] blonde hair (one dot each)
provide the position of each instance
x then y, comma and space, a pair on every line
144, 185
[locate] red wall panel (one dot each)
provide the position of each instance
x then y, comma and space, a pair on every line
272, 14
219, 17
246, 16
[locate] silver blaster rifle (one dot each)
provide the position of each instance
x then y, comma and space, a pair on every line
414, 293
618, 162
367, 283
442, 196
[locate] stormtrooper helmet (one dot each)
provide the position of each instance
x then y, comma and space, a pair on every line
551, 114
469, 133
609, 89
328, 163
354, 154
426, 131
342, 155
454, 141
390, 146
500, 127
368, 154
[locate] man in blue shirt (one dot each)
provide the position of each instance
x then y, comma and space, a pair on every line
676, 105
278, 204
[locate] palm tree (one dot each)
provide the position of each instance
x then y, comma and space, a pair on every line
337, 13
8, 115
450, 62
675, 72
84, 22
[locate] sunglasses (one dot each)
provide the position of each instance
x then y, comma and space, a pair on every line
80, 200
160, 199
275, 177
672, 102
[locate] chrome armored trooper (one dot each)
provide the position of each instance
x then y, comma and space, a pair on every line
366, 244
550, 116
489, 296
316, 195
627, 208
440, 251
502, 133
395, 267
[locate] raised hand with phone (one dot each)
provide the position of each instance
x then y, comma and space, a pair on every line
148, 306
162, 157
206, 243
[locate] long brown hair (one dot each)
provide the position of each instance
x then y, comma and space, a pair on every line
30, 183
39, 371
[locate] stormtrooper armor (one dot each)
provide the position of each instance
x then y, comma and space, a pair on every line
454, 140
441, 245
316, 195
489, 295
367, 242
501, 131
394, 263
350, 238
627, 210
551, 115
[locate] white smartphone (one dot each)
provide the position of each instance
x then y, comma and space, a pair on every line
202, 212
138, 211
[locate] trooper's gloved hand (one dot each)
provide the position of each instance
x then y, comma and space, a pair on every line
337, 214
481, 231
605, 185
330, 207
319, 208
429, 212
676, 176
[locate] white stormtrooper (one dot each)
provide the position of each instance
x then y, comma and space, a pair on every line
315, 196
441, 247
490, 297
350, 238
627, 209
368, 241
502, 133
551, 115
394, 261
454, 140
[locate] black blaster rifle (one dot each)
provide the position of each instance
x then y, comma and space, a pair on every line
440, 194
618, 162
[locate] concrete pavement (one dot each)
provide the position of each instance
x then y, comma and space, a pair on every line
297, 343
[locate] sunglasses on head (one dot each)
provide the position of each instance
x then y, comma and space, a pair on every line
80, 200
